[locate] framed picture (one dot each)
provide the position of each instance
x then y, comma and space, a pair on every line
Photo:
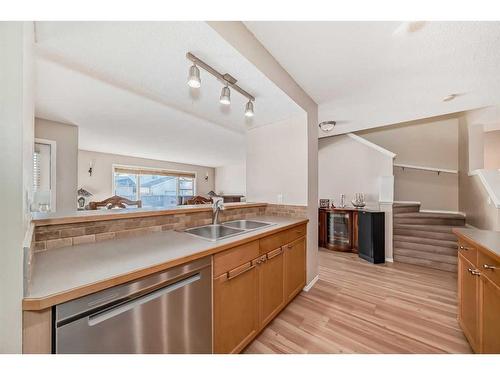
324, 203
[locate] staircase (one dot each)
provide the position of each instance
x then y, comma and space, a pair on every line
425, 239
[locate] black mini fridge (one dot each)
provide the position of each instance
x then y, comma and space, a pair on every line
371, 236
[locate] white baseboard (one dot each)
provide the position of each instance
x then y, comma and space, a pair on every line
390, 260
308, 287
443, 212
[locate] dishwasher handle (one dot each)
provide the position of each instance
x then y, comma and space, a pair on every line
129, 305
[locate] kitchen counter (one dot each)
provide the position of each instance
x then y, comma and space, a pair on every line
101, 215
67, 273
489, 240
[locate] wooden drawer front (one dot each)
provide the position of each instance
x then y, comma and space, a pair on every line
282, 238
232, 258
468, 251
489, 267
295, 233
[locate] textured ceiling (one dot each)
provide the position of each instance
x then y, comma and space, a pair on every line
369, 74
124, 85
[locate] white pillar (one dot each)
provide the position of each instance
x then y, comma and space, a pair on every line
16, 153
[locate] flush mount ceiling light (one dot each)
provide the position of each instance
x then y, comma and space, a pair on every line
327, 126
450, 97
249, 109
225, 96
227, 79
194, 80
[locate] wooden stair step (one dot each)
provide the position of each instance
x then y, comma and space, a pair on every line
437, 257
425, 234
430, 215
426, 228
425, 249
427, 241
426, 263
405, 207
454, 222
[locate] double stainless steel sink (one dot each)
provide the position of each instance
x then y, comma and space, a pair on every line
215, 232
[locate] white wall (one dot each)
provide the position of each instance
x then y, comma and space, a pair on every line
66, 138
277, 162
492, 150
347, 166
231, 179
100, 184
16, 163
427, 143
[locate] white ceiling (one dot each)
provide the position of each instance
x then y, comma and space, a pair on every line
369, 74
124, 85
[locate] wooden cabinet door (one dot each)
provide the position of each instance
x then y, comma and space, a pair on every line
468, 289
490, 316
236, 313
295, 267
272, 293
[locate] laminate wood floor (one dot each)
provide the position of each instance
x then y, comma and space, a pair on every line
358, 307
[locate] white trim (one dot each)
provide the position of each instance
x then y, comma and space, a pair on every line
53, 170
308, 287
424, 168
372, 145
444, 212
407, 202
495, 200
390, 260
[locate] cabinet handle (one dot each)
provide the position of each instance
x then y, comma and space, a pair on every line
229, 276
474, 272
488, 267
463, 247
271, 255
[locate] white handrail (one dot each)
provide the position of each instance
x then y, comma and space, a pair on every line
491, 184
371, 144
423, 168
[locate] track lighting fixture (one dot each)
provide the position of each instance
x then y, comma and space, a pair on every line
225, 96
194, 80
249, 109
228, 80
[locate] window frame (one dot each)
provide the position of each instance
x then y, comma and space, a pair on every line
132, 168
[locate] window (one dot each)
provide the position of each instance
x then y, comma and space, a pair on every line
44, 175
155, 188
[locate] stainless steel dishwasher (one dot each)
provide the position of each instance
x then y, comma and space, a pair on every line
168, 312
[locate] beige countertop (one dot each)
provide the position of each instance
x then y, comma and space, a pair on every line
52, 218
487, 239
67, 273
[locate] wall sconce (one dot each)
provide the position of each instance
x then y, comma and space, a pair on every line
91, 167
206, 177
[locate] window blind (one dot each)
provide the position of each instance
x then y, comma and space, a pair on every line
36, 171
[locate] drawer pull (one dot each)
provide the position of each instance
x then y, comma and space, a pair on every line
488, 267
474, 272
272, 254
229, 276
464, 247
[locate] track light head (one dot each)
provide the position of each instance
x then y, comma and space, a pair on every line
225, 96
249, 109
194, 80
